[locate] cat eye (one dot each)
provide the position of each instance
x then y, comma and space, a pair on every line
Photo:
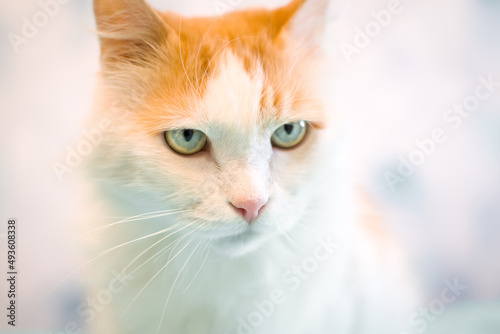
186, 141
289, 135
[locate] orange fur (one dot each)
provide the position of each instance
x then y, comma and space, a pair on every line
177, 56
237, 79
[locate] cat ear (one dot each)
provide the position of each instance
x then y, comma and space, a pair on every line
129, 29
304, 20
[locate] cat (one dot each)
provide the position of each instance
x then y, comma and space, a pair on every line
229, 161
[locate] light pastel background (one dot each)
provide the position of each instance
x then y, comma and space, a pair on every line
396, 91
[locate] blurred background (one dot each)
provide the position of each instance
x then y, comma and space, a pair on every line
419, 81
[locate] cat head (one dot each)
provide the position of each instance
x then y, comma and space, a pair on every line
222, 118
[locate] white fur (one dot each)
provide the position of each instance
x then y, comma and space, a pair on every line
310, 199
224, 263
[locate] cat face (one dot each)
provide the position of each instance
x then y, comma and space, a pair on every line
224, 119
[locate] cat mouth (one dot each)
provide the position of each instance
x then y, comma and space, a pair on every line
240, 244
239, 236
234, 235
240, 239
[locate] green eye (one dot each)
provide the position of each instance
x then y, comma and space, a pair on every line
289, 135
186, 141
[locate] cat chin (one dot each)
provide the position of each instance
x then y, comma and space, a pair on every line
240, 245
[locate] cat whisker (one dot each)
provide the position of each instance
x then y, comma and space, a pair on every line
142, 216
159, 253
135, 240
202, 264
173, 285
287, 75
208, 241
166, 249
177, 242
220, 49
157, 242
151, 280
99, 256
201, 44
201, 227
182, 61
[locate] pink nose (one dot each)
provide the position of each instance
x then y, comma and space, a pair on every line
250, 209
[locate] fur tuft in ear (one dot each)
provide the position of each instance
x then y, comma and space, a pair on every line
130, 31
305, 20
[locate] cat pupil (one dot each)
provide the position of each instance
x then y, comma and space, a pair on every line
188, 135
288, 128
